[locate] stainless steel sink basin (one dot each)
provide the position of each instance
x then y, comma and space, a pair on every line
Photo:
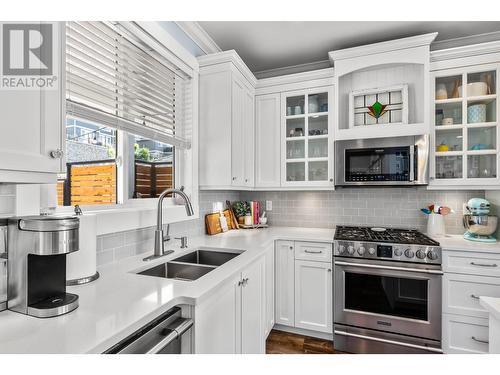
207, 257
179, 271
193, 265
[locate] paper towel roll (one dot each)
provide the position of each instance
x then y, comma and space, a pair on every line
82, 263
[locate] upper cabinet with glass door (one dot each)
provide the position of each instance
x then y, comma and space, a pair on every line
466, 136
307, 138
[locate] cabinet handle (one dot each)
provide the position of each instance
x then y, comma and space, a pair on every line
481, 341
56, 154
313, 252
474, 296
483, 264
234, 178
246, 179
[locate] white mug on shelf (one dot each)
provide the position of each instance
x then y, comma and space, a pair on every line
435, 225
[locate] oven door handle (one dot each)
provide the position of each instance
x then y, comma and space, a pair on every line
392, 268
385, 341
177, 331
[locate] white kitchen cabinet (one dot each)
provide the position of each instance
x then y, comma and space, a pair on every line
253, 299
307, 138
233, 320
467, 276
226, 122
33, 122
465, 136
218, 321
285, 283
313, 295
267, 141
464, 334
269, 285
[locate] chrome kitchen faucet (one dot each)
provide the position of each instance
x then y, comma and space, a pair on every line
159, 250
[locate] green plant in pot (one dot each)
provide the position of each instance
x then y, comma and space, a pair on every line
241, 209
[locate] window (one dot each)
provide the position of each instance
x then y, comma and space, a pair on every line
126, 116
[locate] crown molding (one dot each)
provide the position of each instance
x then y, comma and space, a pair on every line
292, 69
391, 45
225, 57
295, 78
465, 41
199, 36
466, 51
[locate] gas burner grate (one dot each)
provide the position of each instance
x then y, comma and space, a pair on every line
389, 235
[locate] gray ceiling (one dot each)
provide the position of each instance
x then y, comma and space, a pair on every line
271, 45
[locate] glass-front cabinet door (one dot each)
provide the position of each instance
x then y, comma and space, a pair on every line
307, 143
466, 134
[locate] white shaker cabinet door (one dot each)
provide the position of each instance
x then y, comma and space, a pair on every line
32, 123
218, 321
237, 133
267, 140
284, 283
253, 308
313, 295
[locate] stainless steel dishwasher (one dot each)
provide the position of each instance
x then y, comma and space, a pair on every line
163, 335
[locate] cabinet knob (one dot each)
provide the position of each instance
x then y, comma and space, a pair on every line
246, 179
56, 154
291, 247
331, 179
234, 178
329, 270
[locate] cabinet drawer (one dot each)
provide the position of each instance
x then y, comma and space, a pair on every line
314, 251
463, 334
461, 293
483, 264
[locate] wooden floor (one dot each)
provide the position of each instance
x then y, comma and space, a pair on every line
280, 342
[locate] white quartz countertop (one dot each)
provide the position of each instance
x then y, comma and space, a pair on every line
457, 242
120, 301
492, 304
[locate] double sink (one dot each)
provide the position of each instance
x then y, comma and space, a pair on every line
193, 265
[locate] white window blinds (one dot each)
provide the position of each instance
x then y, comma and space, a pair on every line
116, 80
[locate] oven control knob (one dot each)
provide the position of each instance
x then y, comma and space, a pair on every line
350, 250
361, 250
409, 253
341, 249
398, 252
421, 254
371, 250
432, 255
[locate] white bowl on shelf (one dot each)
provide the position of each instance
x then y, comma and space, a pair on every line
475, 89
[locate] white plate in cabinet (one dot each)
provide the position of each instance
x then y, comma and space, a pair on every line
461, 293
313, 295
314, 251
464, 334
483, 264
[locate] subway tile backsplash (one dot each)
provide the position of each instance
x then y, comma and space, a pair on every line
393, 207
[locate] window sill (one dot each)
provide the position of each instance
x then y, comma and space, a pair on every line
130, 216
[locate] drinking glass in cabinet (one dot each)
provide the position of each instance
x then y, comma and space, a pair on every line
295, 171
482, 166
295, 127
481, 83
448, 87
480, 111
318, 170
318, 103
295, 149
318, 125
448, 114
483, 138
448, 167
295, 105
318, 148
449, 140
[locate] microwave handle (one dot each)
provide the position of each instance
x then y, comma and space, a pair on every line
412, 163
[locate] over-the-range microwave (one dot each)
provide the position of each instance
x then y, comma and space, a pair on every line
382, 161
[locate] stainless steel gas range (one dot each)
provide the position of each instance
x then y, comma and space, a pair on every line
387, 291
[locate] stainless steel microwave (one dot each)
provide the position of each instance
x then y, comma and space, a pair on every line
382, 161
